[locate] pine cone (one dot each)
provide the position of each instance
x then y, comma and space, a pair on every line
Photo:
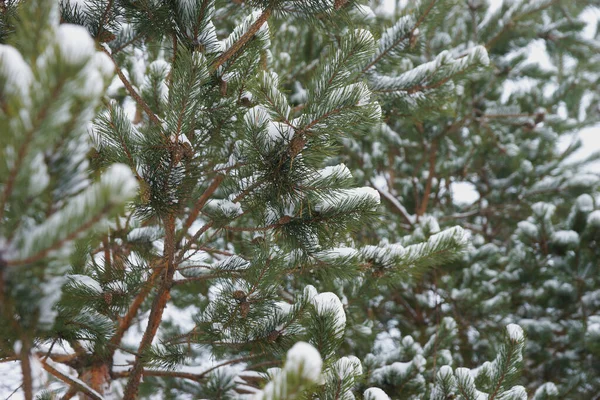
239, 295
273, 336
339, 4
244, 309
296, 145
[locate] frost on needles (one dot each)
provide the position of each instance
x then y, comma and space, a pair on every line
258, 199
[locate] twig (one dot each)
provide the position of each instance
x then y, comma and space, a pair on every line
243, 40
26, 369
73, 382
399, 207
125, 322
432, 157
156, 312
202, 202
138, 99
14, 391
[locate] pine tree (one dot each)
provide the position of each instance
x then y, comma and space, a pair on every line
245, 199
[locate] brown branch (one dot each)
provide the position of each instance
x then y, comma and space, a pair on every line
127, 43
104, 19
186, 375
208, 225
398, 207
156, 312
125, 322
70, 393
72, 382
243, 40
432, 157
138, 99
26, 370
202, 202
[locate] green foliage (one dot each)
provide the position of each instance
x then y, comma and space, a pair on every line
235, 199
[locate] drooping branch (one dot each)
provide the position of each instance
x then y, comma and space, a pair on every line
196, 377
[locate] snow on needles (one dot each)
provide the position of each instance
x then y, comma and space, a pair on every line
86, 281
356, 195
329, 304
515, 332
75, 44
15, 71
306, 360
302, 360
375, 394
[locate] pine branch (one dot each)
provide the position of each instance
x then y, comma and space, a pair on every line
8, 187
402, 38
427, 192
125, 322
188, 375
508, 26
225, 274
24, 148
74, 383
59, 244
26, 370
243, 40
201, 203
156, 312
138, 99
397, 205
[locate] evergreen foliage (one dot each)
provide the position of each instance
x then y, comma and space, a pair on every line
256, 199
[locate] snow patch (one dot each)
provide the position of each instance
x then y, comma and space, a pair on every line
329, 303
14, 69
75, 44
86, 281
593, 219
304, 359
515, 332
375, 393
565, 238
